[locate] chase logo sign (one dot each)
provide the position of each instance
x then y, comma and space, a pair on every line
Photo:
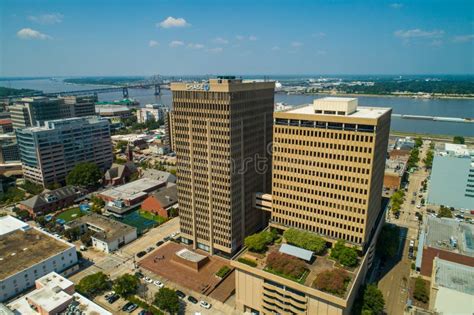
197, 87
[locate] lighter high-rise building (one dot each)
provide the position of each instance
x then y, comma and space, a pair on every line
222, 129
328, 165
48, 153
328, 168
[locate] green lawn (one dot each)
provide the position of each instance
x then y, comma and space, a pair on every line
70, 214
151, 216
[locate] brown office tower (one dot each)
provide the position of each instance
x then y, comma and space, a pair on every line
328, 168
222, 131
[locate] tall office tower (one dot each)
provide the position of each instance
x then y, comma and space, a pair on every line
221, 133
169, 139
31, 111
81, 106
48, 153
327, 175
328, 168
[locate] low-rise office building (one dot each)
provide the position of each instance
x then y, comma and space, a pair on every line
51, 200
395, 170
452, 178
452, 288
109, 234
50, 152
81, 106
121, 199
110, 111
162, 201
446, 239
9, 152
27, 254
6, 126
154, 112
54, 295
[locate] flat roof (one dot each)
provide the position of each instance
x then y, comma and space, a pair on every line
53, 280
448, 300
361, 111
132, 190
9, 224
441, 232
296, 252
190, 255
111, 229
20, 250
454, 276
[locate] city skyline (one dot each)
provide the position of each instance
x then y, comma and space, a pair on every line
144, 38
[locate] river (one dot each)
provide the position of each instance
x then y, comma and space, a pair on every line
461, 108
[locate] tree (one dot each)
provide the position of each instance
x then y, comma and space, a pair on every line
306, 240
444, 212
397, 200
458, 140
258, 242
86, 238
84, 175
428, 160
121, 145
73, 233
32, 188
414, 158
126, 285
286, 264
94, 284
373, 300
333, 281
173, 171
346, 256
421, 292
97, 204
418, 142
167, 300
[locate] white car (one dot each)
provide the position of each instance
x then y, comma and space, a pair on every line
158, 283
412, 243
149, 280
205, 304
418, 206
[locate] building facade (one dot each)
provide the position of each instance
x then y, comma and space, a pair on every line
31, 111
169, 138
28, 254
9, 149
328, 168
221, 128
154, 112
49, 153
81, 106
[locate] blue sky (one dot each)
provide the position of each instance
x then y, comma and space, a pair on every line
73, 37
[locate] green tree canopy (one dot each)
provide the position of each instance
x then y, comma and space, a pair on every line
84, 174
444, 212
421, 292
94, 284
258, 242
346, 256
306, 240
167, 300
373, 300
458, 140
126, 285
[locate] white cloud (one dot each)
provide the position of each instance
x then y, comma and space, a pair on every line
396, 5
153, 43
50, 18
275, 48
195, 46
216, 50
319, 34
252, 38
296, 44
170, 22
28, 33
220, 40
176, 43
463, 38
417, 33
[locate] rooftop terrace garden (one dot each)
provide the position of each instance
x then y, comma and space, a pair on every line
330, 269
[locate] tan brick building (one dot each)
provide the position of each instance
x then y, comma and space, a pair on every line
221, 132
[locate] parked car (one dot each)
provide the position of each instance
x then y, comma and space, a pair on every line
167, 238
418, 206
139, 275
159, 243
180, 294
148, 280
149, 249
113, 298
413, 202
192, 299
129, 307
109, 294
205, 304
141, 254
145, 312
412, 243
158, 283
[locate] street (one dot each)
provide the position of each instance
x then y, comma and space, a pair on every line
395, 275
